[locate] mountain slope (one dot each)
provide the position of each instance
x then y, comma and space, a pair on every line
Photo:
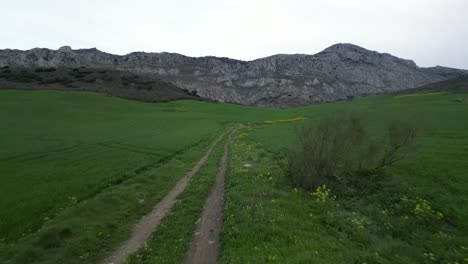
339, 72
454, 85
117, 83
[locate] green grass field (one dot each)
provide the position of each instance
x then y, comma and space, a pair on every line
268, 220
59, 152
75, 166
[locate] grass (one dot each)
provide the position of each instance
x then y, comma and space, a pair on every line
83, 231
395, 220
437, 165
73, 158
267, 220
76, 165
64, 148
420, 94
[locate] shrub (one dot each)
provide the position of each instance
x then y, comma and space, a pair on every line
107, 78
22, 76
63, 80
50, 69
84, 71
339, 150
89, 79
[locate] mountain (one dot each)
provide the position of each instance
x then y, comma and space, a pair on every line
339, 72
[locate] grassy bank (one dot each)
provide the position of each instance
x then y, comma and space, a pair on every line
267, 220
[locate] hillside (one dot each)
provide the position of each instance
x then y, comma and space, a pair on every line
454, 85
116, 83
339, 72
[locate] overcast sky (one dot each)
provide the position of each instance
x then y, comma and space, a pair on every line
430, 32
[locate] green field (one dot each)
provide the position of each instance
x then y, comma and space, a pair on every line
75, 167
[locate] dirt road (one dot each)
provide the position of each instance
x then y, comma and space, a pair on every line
149, 223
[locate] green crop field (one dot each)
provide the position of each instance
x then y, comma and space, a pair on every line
78, 169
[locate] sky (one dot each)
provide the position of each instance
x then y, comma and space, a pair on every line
430, 32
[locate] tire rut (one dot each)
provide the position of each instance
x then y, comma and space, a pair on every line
205, 246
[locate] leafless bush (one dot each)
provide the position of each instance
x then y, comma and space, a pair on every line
340, 150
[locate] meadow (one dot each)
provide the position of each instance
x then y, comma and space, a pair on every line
75, 166
414, 214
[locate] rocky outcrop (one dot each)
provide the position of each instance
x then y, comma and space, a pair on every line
339, 72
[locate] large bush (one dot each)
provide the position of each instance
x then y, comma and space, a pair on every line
339, 149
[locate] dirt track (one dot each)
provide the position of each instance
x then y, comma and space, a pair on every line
149, 223
205, 246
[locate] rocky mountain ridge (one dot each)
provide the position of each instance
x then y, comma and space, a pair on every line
339, 72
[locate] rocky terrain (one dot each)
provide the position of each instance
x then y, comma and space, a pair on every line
339, 72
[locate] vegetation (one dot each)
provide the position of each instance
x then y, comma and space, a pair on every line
74, 158
78, 169
84, 230
339, 150
51, 69
269, 221
113, 82
453, 85
79, 150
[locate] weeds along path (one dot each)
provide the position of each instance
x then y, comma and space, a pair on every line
149, 223
205, 245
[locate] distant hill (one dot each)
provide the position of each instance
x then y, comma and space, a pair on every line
117, 83
339, 72
454, 85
